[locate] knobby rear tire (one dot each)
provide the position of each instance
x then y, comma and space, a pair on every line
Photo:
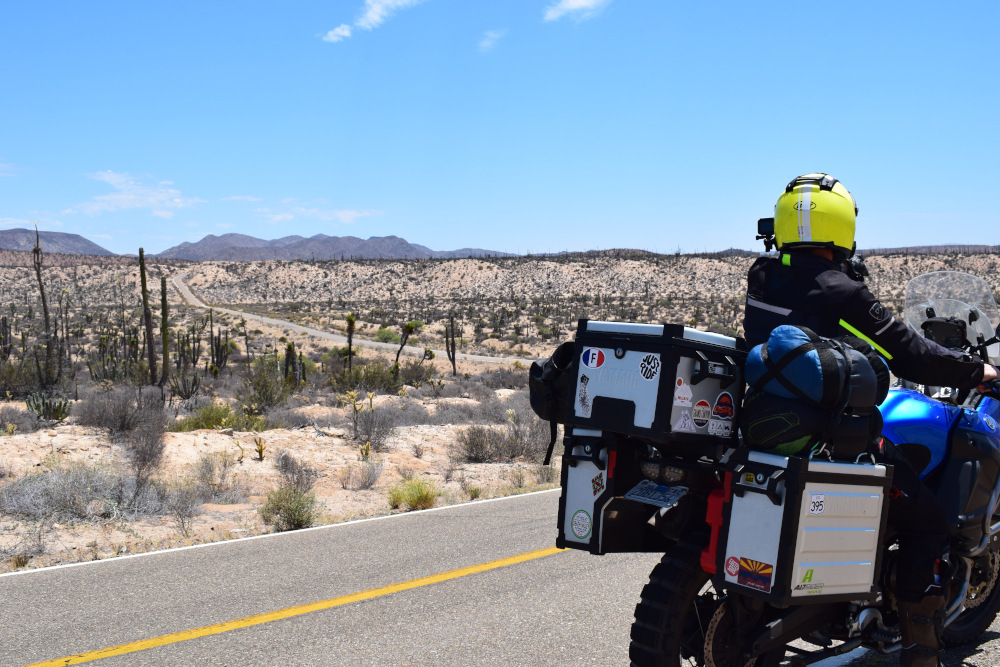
667, 605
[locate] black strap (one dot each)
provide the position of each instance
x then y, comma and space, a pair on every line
552, 443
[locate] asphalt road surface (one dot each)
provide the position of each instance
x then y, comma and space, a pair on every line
325, 596
193, 300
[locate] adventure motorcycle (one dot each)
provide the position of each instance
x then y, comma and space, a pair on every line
767, 555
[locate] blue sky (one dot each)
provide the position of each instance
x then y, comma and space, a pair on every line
514, 125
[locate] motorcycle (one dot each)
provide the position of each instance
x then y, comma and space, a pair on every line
654, 463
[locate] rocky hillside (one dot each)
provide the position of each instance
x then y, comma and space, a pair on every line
243, 248
52, 242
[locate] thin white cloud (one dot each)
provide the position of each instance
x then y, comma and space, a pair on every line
576, 9
274, 217
373, 14
42, 222
490, 39
160, 199
338, 34
100, 236
333, 215
346, 216
224, 225
377, 11
6, 169
240, 198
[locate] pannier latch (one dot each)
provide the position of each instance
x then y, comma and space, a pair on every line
713, 369
746, 480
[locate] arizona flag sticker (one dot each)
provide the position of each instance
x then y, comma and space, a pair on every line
593, 358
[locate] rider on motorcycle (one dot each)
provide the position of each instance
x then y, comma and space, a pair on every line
810, 283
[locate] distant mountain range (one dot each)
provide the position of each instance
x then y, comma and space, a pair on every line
51, 242
243, 248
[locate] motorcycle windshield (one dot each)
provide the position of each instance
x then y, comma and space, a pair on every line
954, 294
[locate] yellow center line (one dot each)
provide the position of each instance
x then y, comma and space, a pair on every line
290, 612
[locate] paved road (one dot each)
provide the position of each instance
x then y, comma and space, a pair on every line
193, 300
567, 608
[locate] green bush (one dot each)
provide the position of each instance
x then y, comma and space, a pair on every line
415, 373
386, 335
288, 508
414, 494
217, 416
264, 386
368, 376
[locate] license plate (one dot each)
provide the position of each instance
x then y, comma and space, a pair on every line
656, 494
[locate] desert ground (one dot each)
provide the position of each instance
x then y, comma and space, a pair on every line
516, 308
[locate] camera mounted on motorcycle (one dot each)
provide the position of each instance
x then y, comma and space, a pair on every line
765, 231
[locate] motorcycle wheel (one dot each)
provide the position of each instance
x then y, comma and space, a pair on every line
972, 623
674, 612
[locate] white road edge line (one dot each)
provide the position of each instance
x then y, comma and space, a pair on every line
114, 559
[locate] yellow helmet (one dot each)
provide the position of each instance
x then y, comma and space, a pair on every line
815, 211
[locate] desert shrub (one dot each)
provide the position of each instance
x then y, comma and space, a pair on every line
217, 481
263, 386
414, 373
520, 437
413, 494
121, 409
518, 477
288, 508
546, 474
386, 335
144, 448
376, 427
17, 378
288, 418
466, 389
183, 502
481, 444
294, 473
217, 416
411, 413
362, 476
78, 490
373, 375
13, 420
505, 378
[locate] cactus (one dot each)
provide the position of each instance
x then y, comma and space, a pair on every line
44, 407
351, 323
290, 362
449, 343
5, 338
147, 316
164, 330
185, 385
258, 443
365, 451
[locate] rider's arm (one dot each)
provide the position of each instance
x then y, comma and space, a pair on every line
910, 355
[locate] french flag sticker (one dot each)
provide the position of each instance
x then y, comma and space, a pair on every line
593, 358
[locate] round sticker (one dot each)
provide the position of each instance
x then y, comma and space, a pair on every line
649, 367
593, 358
732, 566
701, 413
990, 423
581, 524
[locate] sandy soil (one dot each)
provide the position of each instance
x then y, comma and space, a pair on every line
329, 450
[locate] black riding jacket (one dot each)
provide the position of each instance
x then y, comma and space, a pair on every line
808, 290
